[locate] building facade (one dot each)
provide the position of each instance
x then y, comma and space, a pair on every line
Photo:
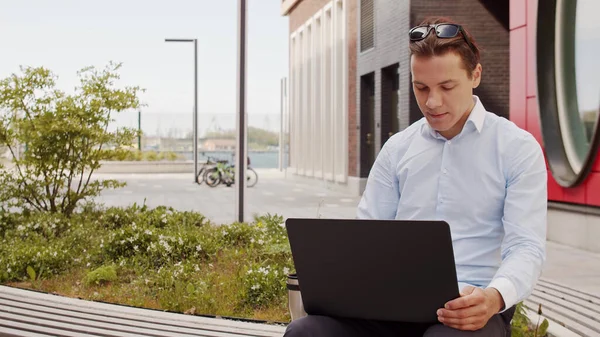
555, 95
321, 87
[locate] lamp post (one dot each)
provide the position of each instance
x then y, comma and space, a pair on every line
241, 159
195, 147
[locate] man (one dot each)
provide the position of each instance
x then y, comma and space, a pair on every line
479, 172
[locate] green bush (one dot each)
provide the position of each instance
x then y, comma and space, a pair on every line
66, 136
179, 259
101, 275
151, 156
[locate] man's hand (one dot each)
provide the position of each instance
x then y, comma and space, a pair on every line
472, 310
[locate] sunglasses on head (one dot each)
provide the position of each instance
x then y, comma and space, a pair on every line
442, 31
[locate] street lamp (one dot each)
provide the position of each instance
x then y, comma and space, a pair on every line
195, 41
242, 137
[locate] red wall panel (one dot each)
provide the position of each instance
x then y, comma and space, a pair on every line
518, 77
518, 13
555, 191
593, 190
575, 194
531, 54
533, 119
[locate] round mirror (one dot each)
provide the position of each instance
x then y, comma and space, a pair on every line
568, 72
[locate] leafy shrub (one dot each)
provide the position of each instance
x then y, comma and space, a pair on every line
66, 136
264, 283
178, 259
151, 156
101, 275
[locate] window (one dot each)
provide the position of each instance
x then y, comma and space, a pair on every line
367, 24
569, 86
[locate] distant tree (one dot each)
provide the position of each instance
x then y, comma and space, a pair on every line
256, 136
66, 136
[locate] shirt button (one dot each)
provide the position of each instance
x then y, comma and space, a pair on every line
445, 171
449, 142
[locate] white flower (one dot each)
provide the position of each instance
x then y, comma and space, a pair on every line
9, 270
252, 240
196, 268
135, 248
101, 245
54, 254
249, 271
260, 242
20, 228
88, 264
286, 270
133, 225
181, 241
122, 263
148, 232
198, 248
164, 221
256, 287
224, 233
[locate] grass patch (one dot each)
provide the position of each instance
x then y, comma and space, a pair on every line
155, 258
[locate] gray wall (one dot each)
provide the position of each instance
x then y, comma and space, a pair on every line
392, 22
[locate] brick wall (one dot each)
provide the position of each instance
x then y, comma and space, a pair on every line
491, 35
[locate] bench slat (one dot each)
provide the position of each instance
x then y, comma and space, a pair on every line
115, 327
572, 303
139, 314
113, 323
570, 320
5, 331
569, 291
36, 323
560, 319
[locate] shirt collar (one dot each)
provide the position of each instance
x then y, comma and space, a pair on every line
476, 118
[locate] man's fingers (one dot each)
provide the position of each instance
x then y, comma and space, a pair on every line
467, 291
475, 296
462, 313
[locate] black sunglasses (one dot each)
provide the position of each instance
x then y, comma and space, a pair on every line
442, 31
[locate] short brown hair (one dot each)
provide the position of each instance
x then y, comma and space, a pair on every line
434, 46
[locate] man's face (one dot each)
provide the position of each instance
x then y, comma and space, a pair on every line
444, 91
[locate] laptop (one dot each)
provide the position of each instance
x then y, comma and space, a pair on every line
388, 270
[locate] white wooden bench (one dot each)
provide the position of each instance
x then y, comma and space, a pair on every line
570, 312
30, 313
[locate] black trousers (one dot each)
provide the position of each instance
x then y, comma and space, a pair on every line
323, 326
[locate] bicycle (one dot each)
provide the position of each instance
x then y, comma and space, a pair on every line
202, 173
225, 173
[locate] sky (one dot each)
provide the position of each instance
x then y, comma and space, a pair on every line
67, 35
